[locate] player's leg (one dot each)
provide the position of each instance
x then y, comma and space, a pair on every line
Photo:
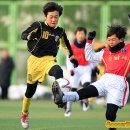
36, 70
85, 79
57, 72
93, 90
117, 95
4, 92
84, 102
86, 92
31, 89
68, 108
74, 81
111, 113
63, 83
90, 91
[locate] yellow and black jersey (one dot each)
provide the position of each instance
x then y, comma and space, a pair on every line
47, 41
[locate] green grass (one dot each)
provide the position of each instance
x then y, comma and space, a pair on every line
44, 115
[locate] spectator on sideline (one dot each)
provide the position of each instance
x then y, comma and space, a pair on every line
6, 68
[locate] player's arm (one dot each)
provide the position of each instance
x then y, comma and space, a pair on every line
66, 45
99, 46
30, 32
90, 54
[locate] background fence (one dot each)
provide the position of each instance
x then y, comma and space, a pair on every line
15, 16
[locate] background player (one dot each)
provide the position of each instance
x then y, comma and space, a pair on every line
81, 74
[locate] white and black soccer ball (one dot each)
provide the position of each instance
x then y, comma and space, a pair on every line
66, 88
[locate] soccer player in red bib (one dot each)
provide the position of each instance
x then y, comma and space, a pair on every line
82, 73
112, 85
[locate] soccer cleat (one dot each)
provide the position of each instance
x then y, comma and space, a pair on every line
58, 94
85, 107
67, 113
25, 121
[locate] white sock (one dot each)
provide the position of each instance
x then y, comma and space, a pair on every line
70, 96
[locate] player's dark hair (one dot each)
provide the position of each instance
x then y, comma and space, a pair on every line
52, 6
118, 30
81, 29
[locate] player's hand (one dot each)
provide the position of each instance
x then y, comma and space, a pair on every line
91, 35
32, 36
75, 62
72, 72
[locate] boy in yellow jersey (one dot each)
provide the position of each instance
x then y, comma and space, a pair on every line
43, 40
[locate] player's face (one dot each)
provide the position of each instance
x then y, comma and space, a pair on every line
80, 36
52, 18
113, 40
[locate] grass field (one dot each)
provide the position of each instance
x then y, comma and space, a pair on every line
44, 115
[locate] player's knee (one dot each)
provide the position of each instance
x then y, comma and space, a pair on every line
110, 116
73, 89
56, 71
31, 89
86, 84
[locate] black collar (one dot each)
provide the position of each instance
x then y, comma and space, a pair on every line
80, 45
117, 48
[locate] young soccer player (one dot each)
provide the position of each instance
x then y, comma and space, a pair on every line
44, 39
81, 74
112, 85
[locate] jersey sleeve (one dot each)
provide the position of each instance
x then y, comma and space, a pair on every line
32, 28
66, 45
91, 55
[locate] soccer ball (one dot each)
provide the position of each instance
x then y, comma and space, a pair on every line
66, 88
64, 84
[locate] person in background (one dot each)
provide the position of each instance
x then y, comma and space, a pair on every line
43, 40
81, 74
6, 68
113, 84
